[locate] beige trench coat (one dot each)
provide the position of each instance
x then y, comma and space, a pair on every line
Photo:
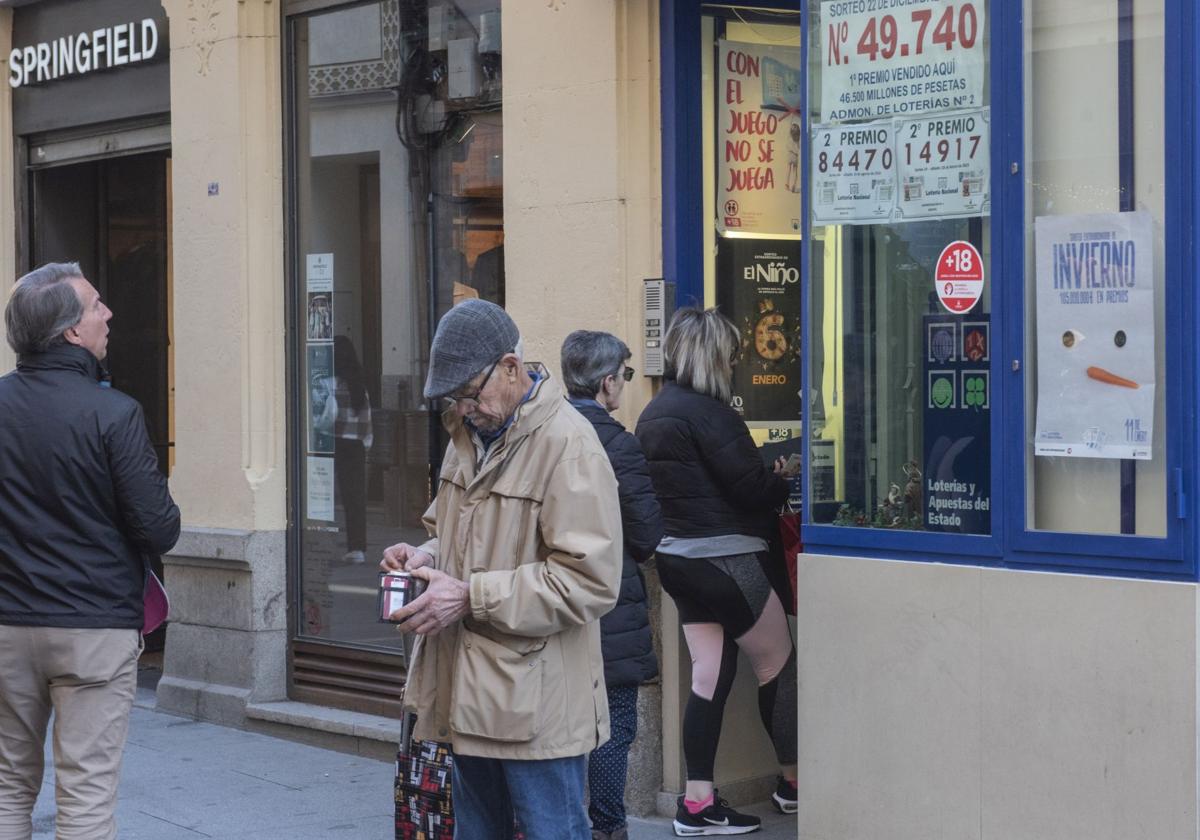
536, 530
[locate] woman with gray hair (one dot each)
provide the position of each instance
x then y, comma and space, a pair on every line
595, 372
719, 501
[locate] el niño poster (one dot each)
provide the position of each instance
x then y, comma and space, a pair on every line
760, 292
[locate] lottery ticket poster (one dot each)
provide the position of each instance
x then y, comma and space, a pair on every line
1095, 335
900, 170
853, 173
942, 166
888, 58
759, 290
758, 140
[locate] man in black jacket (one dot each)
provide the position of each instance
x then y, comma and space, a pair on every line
81, 505
595, 372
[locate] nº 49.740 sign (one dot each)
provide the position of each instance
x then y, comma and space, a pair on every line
898, 57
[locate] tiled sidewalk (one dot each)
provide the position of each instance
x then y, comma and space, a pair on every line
185, 780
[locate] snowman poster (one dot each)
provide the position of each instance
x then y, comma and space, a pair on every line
1095, 335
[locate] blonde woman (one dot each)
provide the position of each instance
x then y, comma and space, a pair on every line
718, 500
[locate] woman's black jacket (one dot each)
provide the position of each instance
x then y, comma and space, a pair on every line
625, 637
709, 476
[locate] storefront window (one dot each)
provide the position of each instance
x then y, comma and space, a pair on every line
901, 289
1095, 422
751, 125
396, 191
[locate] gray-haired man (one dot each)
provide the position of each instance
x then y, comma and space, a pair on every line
81, 501
525, 555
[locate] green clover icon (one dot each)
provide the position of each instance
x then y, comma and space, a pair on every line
976, 394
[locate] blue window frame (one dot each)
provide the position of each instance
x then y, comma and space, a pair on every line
683, 178
679, 30
1011, 543
1172, 555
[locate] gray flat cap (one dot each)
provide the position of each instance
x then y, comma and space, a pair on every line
469, 337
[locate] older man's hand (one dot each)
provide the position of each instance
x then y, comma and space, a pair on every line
446, 600
403, 557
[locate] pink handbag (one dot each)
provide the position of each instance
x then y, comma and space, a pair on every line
155, 604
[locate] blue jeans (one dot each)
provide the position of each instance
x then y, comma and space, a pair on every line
546, 796
608, 763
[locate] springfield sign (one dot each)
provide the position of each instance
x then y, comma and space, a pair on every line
1095, 328
83, 52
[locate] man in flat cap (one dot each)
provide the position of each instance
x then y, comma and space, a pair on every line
524, 557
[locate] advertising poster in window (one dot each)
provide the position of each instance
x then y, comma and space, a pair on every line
319, 285
320, 317
943, 164
853, 173
883, 58
1095, 335
956, 484
321, 412
319, 273
822, 470
320, 489
758, 140
759, 290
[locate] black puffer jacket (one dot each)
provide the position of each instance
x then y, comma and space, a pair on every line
81, 497
625, 637
709, 476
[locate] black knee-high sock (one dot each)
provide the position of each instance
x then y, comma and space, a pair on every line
702, 719
777, 707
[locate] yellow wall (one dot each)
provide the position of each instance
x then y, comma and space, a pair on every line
582, 213
228, 268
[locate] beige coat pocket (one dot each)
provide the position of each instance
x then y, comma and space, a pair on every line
497, 690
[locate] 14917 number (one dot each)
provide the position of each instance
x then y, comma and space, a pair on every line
942, 148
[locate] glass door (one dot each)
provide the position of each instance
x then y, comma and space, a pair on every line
396, 198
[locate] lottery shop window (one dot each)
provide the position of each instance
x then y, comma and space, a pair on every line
1095, 436
900, 357
751, 128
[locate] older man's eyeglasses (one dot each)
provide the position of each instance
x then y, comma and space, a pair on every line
626, 373
452, 400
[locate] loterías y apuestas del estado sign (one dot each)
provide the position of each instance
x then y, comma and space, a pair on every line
84, 52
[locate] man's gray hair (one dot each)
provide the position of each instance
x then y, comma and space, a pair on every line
41, 307
587, 357
699, 350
